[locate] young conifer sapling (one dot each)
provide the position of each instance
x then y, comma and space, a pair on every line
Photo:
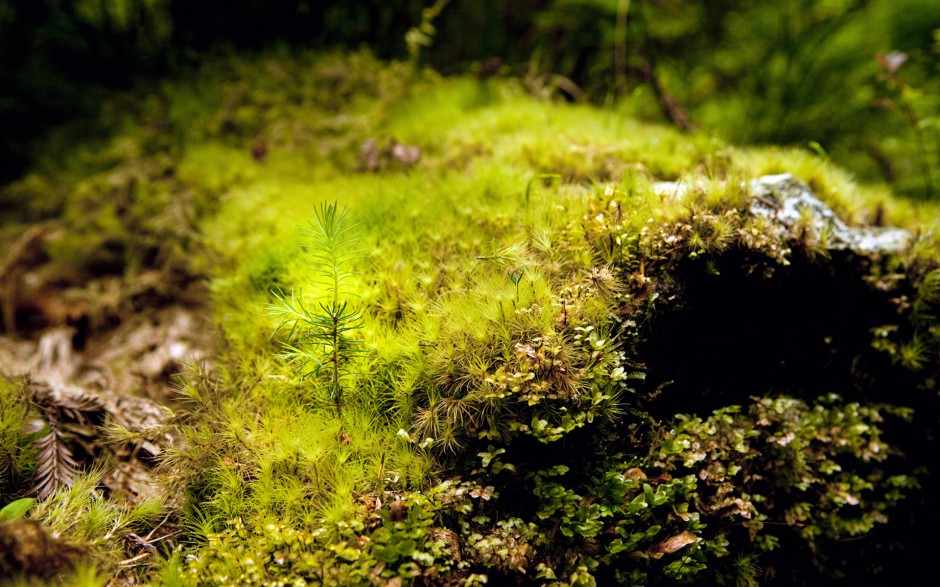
320, 341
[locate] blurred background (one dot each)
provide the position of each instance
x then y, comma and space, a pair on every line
853, 80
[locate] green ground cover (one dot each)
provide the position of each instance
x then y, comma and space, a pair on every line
439, 306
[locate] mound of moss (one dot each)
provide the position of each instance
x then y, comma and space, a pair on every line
469, 337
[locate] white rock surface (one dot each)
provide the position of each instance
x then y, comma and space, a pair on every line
795, 203
788, 201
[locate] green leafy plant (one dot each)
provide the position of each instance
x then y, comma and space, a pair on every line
16, 509
783, 463
904, 98
319, 340
559, 464
918, 349
422, 35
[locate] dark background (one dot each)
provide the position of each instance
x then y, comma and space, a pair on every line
794, 72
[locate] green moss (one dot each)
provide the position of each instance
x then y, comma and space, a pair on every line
498, 421
14, 456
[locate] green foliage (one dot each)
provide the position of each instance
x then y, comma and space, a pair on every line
422, 35
319, 342
484, 360
16, 509
919, 111
820, 469
14, 454
274, 553
765, 72
501, 325
917, 346
83, 513
797, 72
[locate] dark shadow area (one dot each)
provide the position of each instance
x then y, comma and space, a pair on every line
803, 331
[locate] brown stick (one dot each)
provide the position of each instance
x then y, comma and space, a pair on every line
667, 102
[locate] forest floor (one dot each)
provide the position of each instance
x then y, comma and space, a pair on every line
325, 320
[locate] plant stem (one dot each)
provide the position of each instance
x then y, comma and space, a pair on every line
337, 391
620, 48
921, 143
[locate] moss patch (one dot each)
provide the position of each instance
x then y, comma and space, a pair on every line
564, 375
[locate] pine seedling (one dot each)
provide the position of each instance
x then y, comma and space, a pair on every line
320, 339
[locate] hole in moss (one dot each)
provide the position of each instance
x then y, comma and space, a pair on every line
804, 330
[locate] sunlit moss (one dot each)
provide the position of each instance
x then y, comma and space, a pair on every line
507, 278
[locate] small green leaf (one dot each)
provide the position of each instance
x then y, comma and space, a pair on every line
386, 554
406, 547
16, 509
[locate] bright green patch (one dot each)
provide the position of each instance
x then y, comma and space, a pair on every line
460, 390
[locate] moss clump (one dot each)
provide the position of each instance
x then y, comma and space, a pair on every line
526, 405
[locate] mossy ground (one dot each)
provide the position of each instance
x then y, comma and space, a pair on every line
510, 393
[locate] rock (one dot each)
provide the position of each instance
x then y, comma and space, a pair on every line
406, 154
375, 156
792, 206
789, 202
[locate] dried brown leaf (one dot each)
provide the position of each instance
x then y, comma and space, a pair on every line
673, 543
635, 473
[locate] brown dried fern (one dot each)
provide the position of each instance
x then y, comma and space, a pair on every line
75, 403
56, 465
